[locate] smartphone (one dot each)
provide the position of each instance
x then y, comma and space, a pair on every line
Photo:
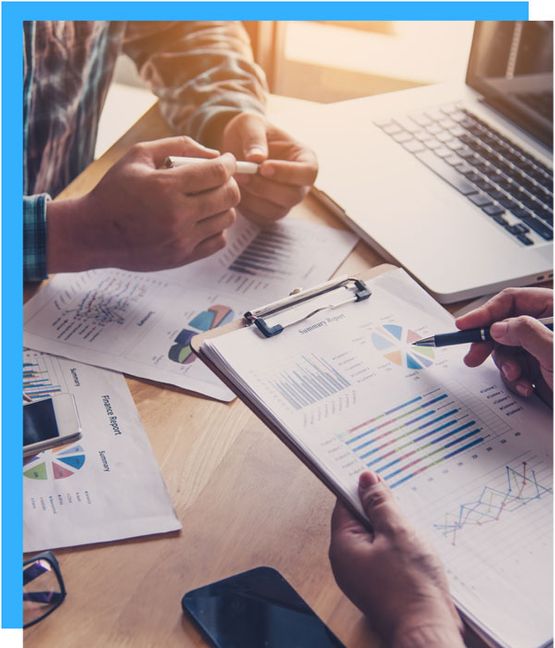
49, 423
256, 609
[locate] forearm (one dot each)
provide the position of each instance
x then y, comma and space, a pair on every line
203, 72
72, 243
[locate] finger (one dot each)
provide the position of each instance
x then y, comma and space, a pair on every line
203, 174
252, 134
510, 363
215, 224
515, 370
344, 522
280, 194
208, 247
522, 387
159, 150
478, 353
302, 172
379, 505
537, 302
528, 333
261, 211
215, 201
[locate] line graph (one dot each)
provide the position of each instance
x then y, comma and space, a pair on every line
521, 487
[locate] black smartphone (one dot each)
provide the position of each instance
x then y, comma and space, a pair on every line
50, 423
256, 609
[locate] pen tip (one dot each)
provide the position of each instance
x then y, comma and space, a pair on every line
429, 341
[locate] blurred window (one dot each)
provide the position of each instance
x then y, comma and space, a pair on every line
333, 61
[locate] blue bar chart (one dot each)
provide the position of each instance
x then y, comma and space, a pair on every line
37, 382
310, 380
270, 253
415, 435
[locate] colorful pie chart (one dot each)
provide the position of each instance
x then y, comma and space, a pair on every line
395, 344
60, 463
216, 315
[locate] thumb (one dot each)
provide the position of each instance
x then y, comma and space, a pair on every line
253, 138
344, 522
159, 150
528, 333
379, 505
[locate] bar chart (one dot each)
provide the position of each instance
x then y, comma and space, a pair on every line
416, 435
271, 253
37, 379
310, 380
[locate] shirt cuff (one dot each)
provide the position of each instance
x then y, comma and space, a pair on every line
208, 124
34, 237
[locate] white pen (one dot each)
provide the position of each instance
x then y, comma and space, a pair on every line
175, 161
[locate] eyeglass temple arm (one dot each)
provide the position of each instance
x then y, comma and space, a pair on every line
44, 597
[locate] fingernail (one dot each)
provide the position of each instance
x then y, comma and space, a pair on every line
507, 370
256, 150
523, 390
368, 479
499, 329
267, 171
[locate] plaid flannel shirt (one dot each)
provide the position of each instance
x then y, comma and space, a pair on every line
202, 72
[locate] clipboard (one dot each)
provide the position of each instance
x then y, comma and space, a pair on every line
470, 615
295, 299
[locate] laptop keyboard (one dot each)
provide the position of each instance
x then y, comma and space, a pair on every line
512, 187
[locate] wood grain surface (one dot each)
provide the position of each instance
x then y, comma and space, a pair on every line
244, 500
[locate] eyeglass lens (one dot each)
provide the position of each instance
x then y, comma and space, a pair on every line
41, 590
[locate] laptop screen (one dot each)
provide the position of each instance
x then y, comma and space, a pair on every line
511, 66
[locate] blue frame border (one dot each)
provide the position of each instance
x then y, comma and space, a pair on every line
13, 13
332, 10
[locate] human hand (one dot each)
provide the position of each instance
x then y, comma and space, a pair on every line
144, 217
523, 348
287, 168
391, 575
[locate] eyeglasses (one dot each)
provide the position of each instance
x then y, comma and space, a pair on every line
43, 588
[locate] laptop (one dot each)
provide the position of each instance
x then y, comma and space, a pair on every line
453, 182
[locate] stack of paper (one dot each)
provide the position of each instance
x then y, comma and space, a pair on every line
142, 323
469, 462
106, 486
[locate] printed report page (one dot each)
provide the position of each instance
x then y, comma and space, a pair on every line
469, 462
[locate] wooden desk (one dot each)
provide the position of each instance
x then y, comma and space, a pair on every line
243, 498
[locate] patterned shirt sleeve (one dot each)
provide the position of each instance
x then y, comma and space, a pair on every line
202, 72
34, 237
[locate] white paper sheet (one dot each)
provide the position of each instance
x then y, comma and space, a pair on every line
142, 323
469, 462
106, 486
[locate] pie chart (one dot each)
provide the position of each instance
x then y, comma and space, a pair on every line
55, 464
395, 343
216, 315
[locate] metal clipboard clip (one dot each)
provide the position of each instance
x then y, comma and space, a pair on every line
358, 288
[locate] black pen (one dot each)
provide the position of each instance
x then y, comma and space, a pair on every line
466, 337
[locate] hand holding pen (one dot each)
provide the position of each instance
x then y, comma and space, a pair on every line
468, 336
521, 346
